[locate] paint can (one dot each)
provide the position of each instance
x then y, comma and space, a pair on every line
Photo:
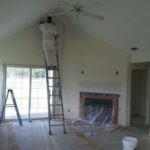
129, 143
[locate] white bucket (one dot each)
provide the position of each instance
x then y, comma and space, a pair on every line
129, 143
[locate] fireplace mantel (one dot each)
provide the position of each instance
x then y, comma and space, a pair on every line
99, 96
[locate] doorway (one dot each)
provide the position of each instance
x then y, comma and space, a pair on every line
29, 86
138, 96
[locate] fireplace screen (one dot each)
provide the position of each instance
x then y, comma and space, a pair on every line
98, 111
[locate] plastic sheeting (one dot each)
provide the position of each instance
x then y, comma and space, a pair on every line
107, 127
99, 113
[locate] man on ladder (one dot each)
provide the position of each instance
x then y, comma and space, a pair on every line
49, 35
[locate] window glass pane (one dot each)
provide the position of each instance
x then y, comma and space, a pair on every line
17, 78
38, 94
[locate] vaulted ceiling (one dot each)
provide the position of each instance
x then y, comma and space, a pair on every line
126, 22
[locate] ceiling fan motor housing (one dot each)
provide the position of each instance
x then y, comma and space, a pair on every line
77, 8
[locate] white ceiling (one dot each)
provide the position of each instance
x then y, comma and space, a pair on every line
17, 14
126, 22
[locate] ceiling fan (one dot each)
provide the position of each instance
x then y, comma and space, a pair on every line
79, 9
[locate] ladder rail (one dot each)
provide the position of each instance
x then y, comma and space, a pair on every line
48, 101
16, 107
3, 108
51, 95
61, 92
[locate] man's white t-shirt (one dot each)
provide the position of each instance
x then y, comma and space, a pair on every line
49, 32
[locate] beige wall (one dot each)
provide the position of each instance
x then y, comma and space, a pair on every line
22, 48
138, 56
100, 61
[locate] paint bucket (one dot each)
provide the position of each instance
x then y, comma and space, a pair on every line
129, 143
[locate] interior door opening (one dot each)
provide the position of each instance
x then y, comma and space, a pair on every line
138, 97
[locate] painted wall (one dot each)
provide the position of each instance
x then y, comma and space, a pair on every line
99, 61
138, 56
23, 48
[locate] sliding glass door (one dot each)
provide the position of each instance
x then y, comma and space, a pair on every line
38, 103
29, 86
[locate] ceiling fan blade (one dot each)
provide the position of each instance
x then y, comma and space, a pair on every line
93, 15
58, 13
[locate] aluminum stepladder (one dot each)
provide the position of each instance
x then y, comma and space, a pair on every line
54, 95
11, 105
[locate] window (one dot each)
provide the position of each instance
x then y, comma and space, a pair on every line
38, 93
29, 86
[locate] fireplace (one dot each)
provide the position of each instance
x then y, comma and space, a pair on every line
99, 107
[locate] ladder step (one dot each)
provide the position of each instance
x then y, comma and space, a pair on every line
52, 68
54, 77
56, 115
9, 106
55, 95
55, 86
57, 124
55, 104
